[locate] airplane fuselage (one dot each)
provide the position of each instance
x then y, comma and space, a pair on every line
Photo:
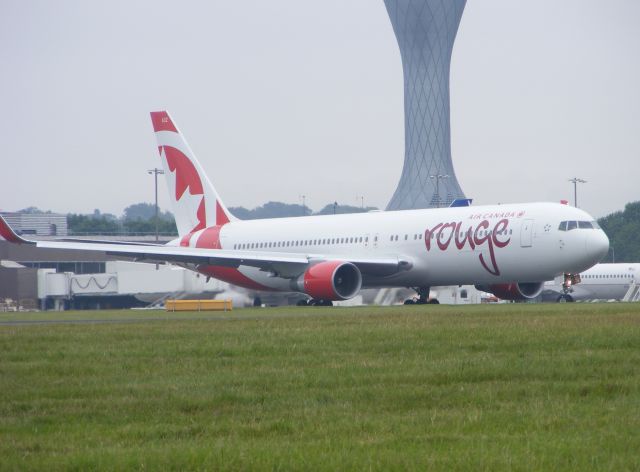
600, 282
447, 246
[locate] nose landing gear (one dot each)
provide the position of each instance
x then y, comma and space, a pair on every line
567, 287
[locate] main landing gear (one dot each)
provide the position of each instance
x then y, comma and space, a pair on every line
422, 298
314, 302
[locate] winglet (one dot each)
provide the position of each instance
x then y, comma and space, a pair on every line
8, 234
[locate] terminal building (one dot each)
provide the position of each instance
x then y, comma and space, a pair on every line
37, 224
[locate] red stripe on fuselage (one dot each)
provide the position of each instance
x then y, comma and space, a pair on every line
210, 238
232, 276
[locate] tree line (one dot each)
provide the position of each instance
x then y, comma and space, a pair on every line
140, 217
623, 229
136, 219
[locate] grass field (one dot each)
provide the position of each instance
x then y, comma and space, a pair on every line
501, 387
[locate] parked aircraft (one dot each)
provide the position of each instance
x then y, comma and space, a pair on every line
600, 282
510, 248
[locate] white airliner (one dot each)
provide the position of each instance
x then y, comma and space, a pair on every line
600, 282
512, 249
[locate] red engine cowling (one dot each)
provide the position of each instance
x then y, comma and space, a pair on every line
514, 290
331, 280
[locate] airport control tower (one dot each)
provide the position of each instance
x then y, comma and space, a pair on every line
426, 30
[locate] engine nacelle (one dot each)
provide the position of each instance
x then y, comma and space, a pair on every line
514, 290
330, 280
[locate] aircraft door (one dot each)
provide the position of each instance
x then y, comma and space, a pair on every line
526, 233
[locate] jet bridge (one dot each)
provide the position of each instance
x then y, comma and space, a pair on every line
142, 281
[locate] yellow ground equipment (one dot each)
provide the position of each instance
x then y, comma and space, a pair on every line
198, 305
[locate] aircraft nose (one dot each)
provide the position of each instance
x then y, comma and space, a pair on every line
597, 245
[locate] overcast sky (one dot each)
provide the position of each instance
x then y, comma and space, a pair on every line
290, 97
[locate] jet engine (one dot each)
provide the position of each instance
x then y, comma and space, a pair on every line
330, 280
514, 290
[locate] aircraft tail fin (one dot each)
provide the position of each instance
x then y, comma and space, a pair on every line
196, 204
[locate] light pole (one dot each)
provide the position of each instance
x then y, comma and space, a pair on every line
304, 204
437, 179
155, 171
361, 198
613, 254
575, 182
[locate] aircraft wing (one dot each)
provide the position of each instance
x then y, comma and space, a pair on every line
285, 264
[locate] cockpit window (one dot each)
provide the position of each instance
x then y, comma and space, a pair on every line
569, 225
